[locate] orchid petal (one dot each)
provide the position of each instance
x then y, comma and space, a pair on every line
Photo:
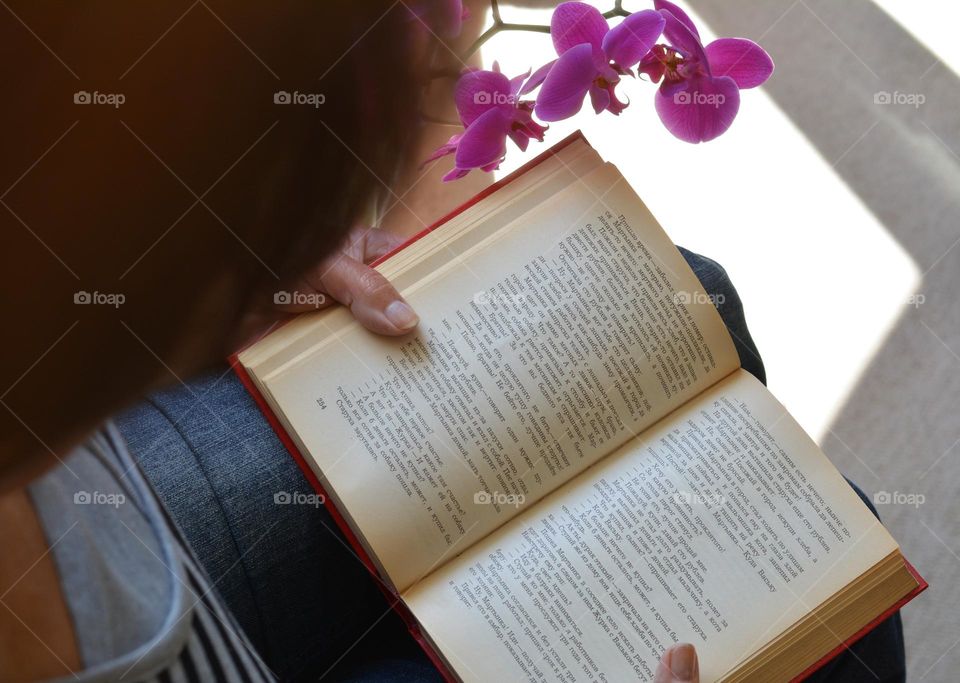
524, 125
599, 98
564, 88
455, 174
517, 82
485, 140
520, 139
449, 148
574, 23
537, 78
628, 42
683, 39
670, 88
652, 64
679, 14
742, 60
702, 112
478, 91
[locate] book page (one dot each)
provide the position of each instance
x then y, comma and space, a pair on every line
540, 350
548, 178
721, 526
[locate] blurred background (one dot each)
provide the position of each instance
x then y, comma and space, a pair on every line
834, 204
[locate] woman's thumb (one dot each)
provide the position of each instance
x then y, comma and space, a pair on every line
678, 665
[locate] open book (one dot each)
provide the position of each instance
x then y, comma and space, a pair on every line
564, 470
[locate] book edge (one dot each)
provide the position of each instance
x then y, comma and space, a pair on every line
922, 585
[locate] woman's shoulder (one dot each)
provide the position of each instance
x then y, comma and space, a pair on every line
120, 571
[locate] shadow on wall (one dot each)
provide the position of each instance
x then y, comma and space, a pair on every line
882, 109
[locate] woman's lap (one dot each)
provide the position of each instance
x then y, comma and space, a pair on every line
285, 570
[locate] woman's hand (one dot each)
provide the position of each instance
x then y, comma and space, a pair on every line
678, 664
345, 277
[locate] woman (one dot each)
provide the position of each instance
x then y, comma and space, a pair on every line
160, 190
176, 167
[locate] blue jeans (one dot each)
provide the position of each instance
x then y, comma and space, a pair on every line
296, 587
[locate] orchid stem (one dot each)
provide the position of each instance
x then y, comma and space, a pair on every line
495, 11
617, 11
500, 25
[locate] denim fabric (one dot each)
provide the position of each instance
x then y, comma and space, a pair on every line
303, 597
294, 585
879, 657
718, 286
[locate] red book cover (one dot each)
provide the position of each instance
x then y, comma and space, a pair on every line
393, 599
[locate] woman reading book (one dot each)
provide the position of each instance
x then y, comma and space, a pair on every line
145, 548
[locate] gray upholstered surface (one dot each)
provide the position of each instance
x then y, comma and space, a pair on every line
899, 429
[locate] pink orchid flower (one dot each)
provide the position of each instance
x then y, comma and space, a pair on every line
700, 93
491, 111
592, 57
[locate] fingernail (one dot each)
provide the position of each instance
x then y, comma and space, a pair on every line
683, 661
401, 315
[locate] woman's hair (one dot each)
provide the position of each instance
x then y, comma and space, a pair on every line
351, 122
186, 161
344, 121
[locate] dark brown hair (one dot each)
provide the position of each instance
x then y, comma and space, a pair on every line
249, 138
